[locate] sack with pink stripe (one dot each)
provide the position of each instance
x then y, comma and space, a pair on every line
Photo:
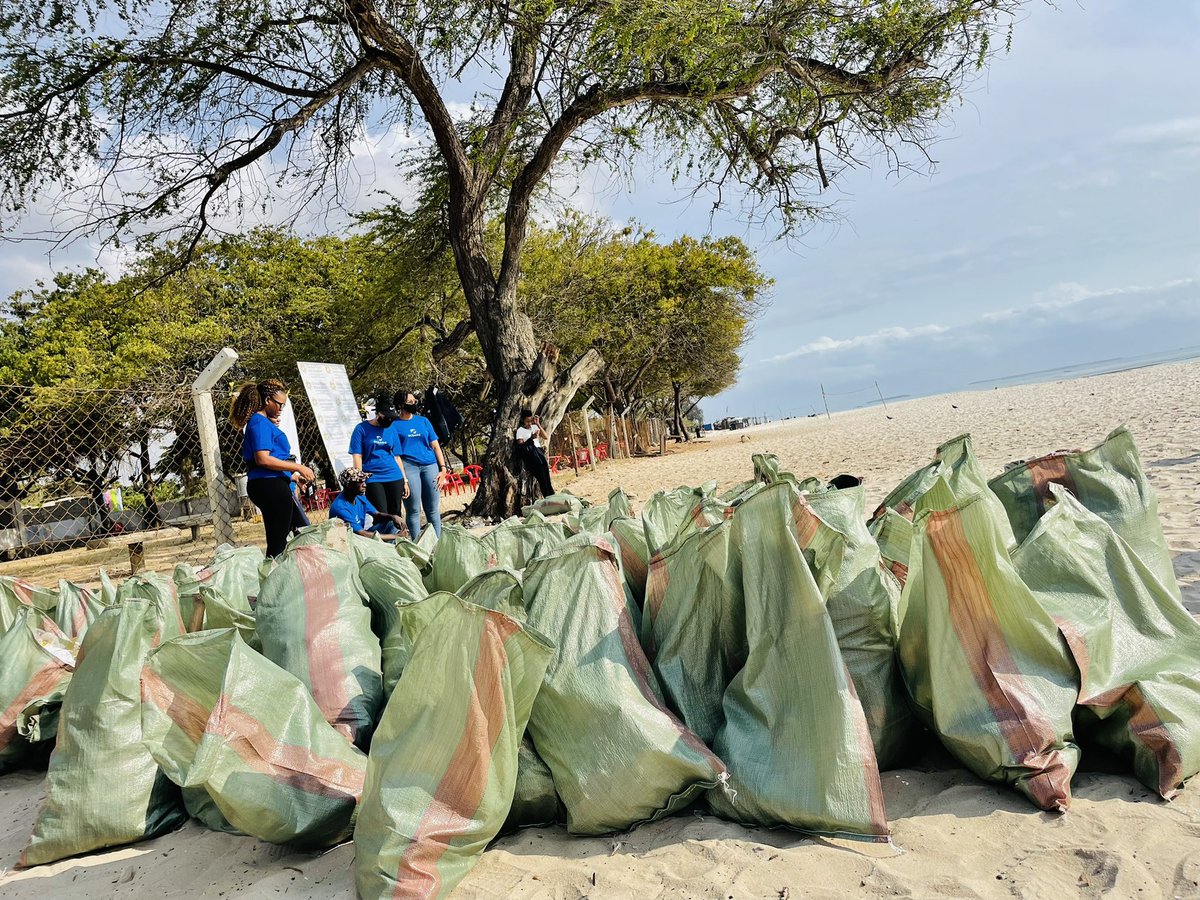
443, 765
218, 717
313, 621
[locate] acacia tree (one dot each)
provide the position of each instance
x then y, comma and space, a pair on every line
169, 114
669, 319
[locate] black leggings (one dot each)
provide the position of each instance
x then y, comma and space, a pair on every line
534, 461
387, 496
281, 513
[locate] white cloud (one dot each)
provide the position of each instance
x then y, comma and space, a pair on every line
891, 335
1069, 294
1185, 130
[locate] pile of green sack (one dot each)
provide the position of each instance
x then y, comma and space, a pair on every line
761, 653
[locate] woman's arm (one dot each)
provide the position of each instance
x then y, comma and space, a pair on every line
264, 460
356, 460
441, 461
403, 474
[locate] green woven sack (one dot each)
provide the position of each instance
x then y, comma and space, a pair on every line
458, 557
332, 533
215, 610
161, 591
1108, 480
535, 802
37, 662
374, 547
983, 662
220, 718
186, 578
693, 626
443, 766
387, 581
596, 520
103, 788
313, 622
617, 755
893, 534
1136, 646
862, 597
411, 618
629, 536
555, 505
514, 543
419, 551
670, 516
792, 720
16, 593
76, 609
236, 572
955, 463
498, 589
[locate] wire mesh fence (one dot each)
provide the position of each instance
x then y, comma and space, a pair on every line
114, 480
95, 479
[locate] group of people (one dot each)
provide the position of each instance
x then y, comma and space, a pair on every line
396, 474
397, 469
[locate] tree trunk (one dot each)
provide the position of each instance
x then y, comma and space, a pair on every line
524, 377
677, 426
505, 487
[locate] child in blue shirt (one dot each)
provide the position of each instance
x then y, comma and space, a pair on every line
352, 507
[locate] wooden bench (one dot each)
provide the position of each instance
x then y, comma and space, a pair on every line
192, 522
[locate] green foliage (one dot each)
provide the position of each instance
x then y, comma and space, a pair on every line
660, 314
204, 90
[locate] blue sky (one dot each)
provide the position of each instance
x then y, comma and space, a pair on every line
1061, 224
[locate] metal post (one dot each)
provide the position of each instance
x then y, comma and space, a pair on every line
219, 495
826, 402
881, 400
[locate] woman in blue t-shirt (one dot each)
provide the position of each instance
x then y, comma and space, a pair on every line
270, 466
424, 462
376, 451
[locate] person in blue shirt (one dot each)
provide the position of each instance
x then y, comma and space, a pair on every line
375, 450
353, 508
424, 462
270, 466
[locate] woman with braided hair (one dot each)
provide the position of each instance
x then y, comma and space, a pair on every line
270, 465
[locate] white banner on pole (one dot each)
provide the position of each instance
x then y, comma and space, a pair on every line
333, 405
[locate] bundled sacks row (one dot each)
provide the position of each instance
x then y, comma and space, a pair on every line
1040, 612
765, 650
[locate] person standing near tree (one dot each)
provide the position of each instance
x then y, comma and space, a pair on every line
422, 455
270, 466
376, 451
530, 436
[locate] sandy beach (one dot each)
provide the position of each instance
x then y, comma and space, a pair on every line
953, 836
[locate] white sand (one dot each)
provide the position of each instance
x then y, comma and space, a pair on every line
954, 836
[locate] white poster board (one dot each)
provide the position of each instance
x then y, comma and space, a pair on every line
287, 424
333, 405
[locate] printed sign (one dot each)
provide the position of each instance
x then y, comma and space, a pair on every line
333, 405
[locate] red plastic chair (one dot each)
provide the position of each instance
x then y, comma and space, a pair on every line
582, 457
453, 482
601, 452
474, 474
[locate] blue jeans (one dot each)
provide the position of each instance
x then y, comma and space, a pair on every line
422, 494
383, 526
